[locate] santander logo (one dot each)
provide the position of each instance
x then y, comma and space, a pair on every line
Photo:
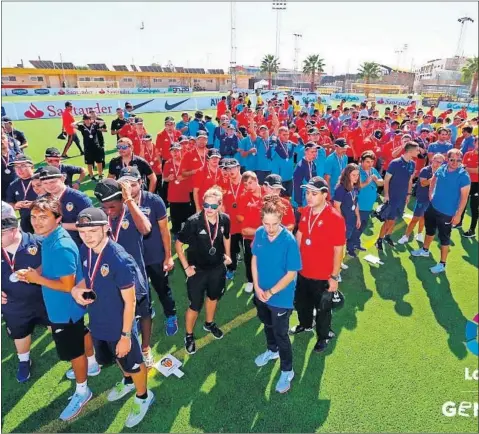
61, 92
101, 91
33, 112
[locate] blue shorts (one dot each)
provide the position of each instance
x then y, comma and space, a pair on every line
396, 210
21, 327
143, 307
420, 208
105, 352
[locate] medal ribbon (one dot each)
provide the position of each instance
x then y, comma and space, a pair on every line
92, 275
212, 240
311, 226
25, 190
235, 194
10, 262
117, 232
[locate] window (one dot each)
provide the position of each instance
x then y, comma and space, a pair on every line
128, 80
172, 80
36, 78
209, 81
84, 79
157, 80
98, 79
196, 81
9, 78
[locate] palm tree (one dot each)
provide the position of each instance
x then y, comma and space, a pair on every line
369, 71
469, 73
270, 65
313, 64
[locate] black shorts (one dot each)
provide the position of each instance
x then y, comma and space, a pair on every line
105, 353
437, 221
21, 327
70, 339
210, 282
143, 307
94, 154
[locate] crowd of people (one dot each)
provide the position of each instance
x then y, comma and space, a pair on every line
285, 187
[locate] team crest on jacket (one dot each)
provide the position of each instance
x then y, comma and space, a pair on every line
69, 206
125, 224
105, 270
32, 250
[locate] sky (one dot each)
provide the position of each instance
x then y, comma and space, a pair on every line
198, 35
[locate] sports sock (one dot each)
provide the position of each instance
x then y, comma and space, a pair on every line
426, 250
128, 380
91, 360
25, 357
144, 396
81, 388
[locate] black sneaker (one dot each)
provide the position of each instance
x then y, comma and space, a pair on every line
379, 244
469, 234
94, 178
389, 240
214, 330
100, 177
320, 346
352, 254
299, 329
361, 248
190, 345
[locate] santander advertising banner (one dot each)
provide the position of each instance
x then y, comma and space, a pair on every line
97, 91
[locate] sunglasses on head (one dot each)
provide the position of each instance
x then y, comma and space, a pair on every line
122, 147
211, 205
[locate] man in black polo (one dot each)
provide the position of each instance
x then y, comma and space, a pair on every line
53, 158
128, 158
207, 234
94, 152
118, 123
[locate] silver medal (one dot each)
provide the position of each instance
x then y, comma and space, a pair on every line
353, 207
8, 171
177, 182
13, 278
91, 137
212, 251
308, 242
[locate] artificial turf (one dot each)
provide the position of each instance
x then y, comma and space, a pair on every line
398, 357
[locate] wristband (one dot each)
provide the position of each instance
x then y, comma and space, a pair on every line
126, 334
187, 267
130, 199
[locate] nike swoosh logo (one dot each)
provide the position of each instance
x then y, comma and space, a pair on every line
137, 106
135, 366
172, 106
284, 313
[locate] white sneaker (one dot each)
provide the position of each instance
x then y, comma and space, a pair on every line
420, 237
403, 240
344, 266
420, 252
148, 358
264, 358
249, 288
120, 390
93, 371
139, 409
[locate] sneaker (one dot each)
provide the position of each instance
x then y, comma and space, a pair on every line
214, 330
148, 358
389, 240
299, 329
458, 226
361, 248
352, 254
331, 334
190, 345
264, 358
403, 240
420, 252
249, 288
239, 258
284, 382
340, 279
93, 371
74, 407
94, 178
469, 234
230, 274
379, 244
23, 371
438, 268
171, 325
320, 346
139, 409
420, 237
100, 177
120, 390
344, 266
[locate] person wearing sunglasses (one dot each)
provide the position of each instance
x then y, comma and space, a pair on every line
108, 288
23, 307
129, 225
275, 263
207, 234
53, 158
128, 158
448, 192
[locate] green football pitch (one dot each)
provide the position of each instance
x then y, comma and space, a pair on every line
398, 357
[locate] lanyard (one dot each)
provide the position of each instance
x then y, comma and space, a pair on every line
353, 194
310, 168
212, 240
209, 172
10, 262
340, 163
174, 168
117, 232
285, 149
92, 275
25, 190
203, 160
235, 194
311, 225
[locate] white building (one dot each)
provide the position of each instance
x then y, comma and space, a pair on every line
448, 69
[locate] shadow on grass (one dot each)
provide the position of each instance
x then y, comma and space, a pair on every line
471, 248
446, 310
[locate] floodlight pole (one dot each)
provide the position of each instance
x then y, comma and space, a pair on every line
297, 37
278, 7
460, 42
233, 45
63, 69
